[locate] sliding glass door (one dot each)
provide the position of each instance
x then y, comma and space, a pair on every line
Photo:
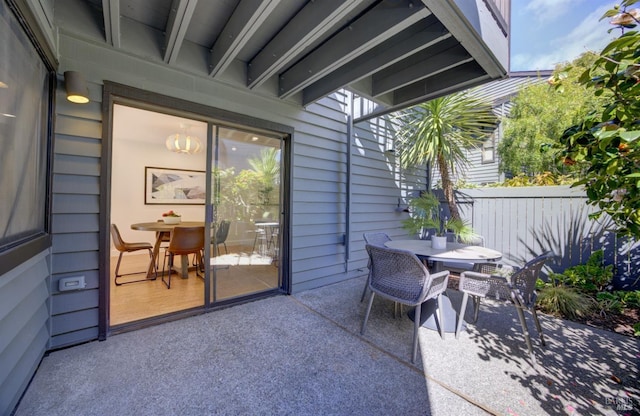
225, 179
246, 179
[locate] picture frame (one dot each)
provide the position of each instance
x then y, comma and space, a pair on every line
167, 186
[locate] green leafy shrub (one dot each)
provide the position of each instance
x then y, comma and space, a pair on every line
592, 277
608, 302
564, 301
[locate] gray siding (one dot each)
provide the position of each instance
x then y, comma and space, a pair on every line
378, 185
319, 185
75, 214
523, 222
24, 326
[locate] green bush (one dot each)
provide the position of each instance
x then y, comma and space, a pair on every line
564, 301
609, 302
592, 277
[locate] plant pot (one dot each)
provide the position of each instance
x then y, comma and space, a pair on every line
438, 242
171, 220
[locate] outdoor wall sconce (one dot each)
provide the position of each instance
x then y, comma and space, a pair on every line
76, 86
402, 207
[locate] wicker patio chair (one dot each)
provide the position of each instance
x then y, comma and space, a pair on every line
508, 284
374, 239
400, 276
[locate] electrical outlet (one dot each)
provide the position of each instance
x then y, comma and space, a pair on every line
71, 283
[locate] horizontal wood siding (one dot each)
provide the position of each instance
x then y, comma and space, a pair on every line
24, 325
75, 223
378, 186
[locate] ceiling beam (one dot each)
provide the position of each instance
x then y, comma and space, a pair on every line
246, 19
383, 21
419, 36
429, 62
459, 78
111, 15
306, 27
177, 24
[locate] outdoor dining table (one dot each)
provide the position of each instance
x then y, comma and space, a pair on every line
454, 252
162, 230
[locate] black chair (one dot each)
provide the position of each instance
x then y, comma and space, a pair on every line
220, 237
489, 280
400, 276
124, 247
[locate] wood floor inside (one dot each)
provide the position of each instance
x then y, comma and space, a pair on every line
234, 274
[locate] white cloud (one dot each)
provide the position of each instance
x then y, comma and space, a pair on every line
551, 10
589, 35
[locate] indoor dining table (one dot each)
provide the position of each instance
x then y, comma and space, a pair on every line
163, 230
454, 252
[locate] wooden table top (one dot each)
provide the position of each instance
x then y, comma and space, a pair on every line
161, 226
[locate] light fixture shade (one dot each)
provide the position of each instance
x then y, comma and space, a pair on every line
76, 86
183, 143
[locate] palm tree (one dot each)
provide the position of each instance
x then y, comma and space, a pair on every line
439, 131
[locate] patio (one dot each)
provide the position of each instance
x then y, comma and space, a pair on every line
303, 355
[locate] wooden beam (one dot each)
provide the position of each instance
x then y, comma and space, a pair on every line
177, 24
383, 21
111, 15
306, 27
457, 79
243, 23
429, 62
420, 36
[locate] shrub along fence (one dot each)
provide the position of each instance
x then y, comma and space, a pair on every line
526, 221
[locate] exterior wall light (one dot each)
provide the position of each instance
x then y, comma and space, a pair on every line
76, 86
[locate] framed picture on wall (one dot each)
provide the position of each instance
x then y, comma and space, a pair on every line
165, 186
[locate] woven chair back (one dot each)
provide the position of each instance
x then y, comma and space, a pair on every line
376, 239
398, 274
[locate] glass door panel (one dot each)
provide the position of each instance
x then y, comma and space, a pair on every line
246, 199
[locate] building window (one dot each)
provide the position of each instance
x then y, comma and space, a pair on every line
25, 107
489, 148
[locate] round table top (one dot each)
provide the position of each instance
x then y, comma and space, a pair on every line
161, 226
453, 252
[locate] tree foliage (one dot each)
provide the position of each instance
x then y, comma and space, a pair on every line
539, 115
438, 132
606, 140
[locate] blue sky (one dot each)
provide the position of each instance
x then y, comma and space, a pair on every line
547, 32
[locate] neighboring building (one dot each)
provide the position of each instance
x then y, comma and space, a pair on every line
484, 161
288, 72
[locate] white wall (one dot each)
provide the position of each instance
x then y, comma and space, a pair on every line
131, 154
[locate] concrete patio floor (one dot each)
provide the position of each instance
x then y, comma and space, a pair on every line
303, 355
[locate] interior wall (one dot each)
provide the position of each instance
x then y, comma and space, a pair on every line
132, 152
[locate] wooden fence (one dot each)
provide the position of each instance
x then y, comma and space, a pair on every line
523, 222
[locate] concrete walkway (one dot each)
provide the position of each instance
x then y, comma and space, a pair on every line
303, 355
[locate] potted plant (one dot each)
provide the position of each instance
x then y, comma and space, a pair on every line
426, 215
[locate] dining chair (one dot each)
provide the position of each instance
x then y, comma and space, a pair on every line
183, 241
376, 239
220, 237
400, 276
502, 282
124, 247
164, 238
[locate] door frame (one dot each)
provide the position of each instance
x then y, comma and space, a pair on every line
115, 93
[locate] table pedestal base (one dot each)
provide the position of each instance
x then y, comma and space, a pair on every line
428, 317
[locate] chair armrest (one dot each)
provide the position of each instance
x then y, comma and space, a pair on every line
439, 283
484, 285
